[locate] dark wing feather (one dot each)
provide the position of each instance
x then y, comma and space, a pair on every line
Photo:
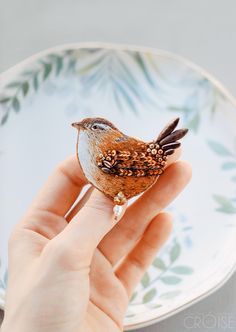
168, 129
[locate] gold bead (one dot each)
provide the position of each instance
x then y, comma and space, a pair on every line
154, 151
120, 200
160, 151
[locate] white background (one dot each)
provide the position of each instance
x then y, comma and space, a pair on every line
203, 31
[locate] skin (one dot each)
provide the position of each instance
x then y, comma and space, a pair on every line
64, 270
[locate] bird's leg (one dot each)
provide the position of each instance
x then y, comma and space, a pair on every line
120, 200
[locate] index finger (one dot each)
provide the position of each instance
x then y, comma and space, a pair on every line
61, 189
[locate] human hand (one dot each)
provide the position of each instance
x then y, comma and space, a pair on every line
64, 270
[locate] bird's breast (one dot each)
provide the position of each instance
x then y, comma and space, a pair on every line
86, 155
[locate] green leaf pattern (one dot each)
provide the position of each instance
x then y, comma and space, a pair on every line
175, 252
219, 148
225, 204
15, 91
109, 70
149, 296
195, 105
182, 269
159, 263
171, 280
30, 80
170, 274
145, 280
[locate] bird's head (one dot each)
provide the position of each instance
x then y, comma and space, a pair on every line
96, 127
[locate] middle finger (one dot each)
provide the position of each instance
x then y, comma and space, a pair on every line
122, 238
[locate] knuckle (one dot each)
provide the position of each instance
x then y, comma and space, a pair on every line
67, 255
137, 262
129, 232
148, 246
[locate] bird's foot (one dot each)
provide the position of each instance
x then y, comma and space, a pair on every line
120, 199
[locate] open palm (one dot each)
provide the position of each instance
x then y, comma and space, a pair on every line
74, 269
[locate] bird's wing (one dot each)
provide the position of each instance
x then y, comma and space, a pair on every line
136, 158
130, 157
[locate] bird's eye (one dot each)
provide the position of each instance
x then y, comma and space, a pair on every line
94, 127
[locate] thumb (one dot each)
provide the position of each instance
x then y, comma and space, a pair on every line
87, 228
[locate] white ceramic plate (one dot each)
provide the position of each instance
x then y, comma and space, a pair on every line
139, 89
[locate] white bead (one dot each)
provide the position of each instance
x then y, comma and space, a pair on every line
118, 209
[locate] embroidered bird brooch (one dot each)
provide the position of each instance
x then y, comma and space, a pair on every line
119, 165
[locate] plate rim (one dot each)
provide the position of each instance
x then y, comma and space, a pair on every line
8, 73
124, 47
186, 305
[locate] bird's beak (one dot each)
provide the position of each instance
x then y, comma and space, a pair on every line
77, 125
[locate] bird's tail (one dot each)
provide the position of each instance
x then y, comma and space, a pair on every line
168, 138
